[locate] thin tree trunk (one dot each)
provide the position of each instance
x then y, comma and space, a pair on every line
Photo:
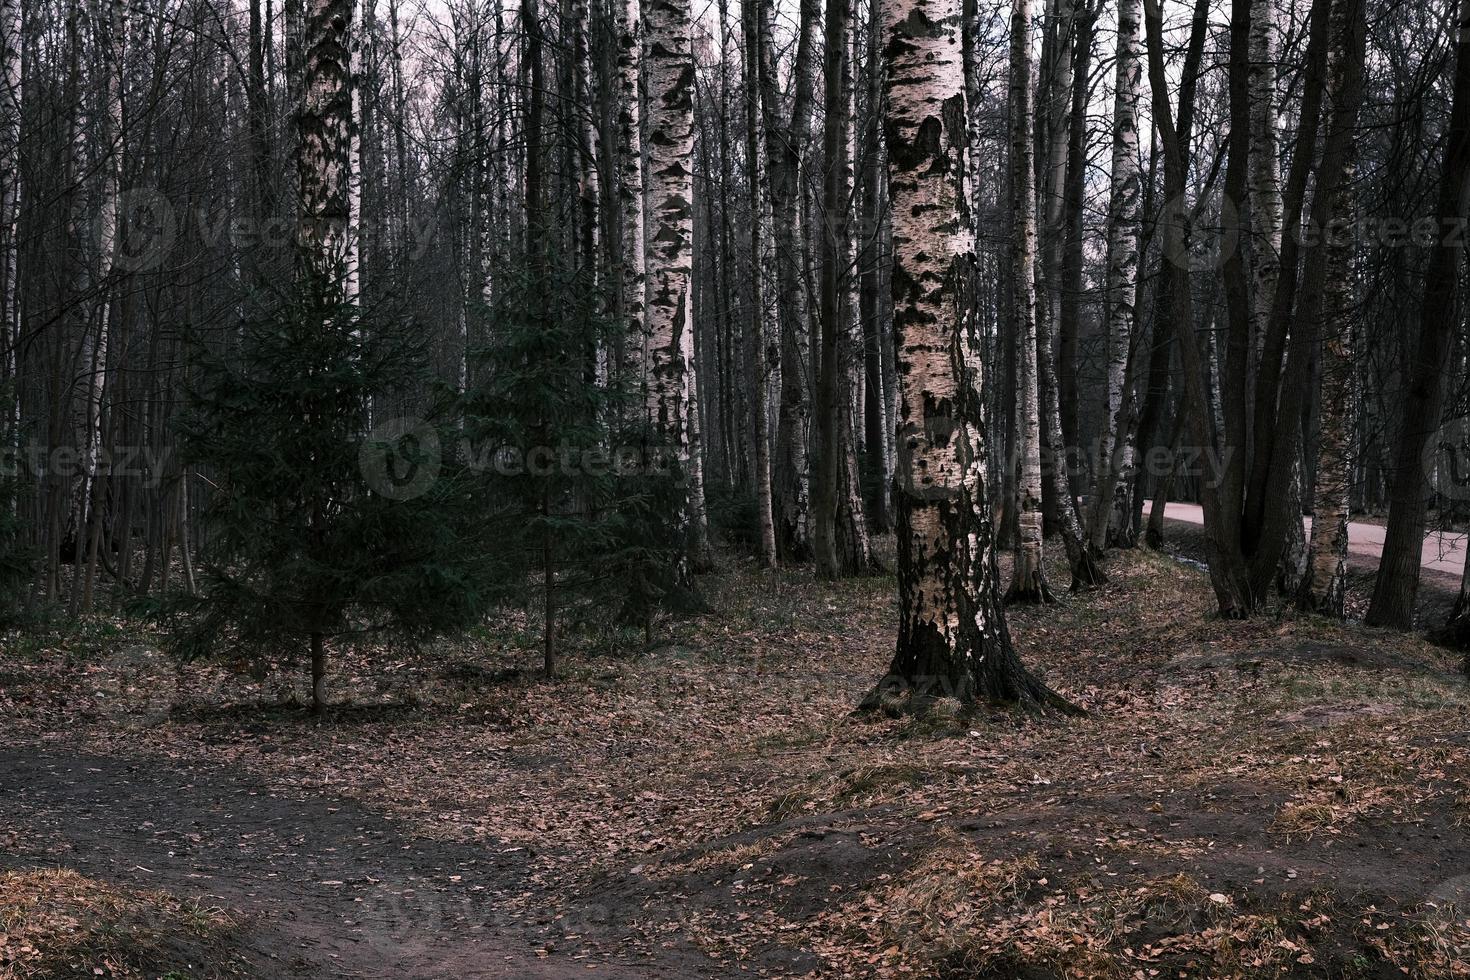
877, 441
1174, 270
1123, 260
11, 46
1324, 586
759, 363
1265, 168
1397, 587
1070, 301
631, 254
1086, 574
1227, 568
785, 147
830, 429
1028, 579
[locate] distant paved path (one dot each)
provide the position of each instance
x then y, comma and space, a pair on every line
1443, 551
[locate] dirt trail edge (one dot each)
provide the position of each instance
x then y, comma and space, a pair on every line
332, 889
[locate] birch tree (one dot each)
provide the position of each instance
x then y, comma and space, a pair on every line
1124, 219
786, 143
1266, 222
1324, 586
10, 120
1086, 573
752, 24
1265, 188
111, 23
1028, 579
839, 532
630, 254
670, 248
952, 634
323, 148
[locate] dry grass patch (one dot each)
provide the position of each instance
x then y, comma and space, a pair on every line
931, 910
56, 923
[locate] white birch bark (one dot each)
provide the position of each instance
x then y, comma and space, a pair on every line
352, 275
952, 636
1028, 579
631, 277
111, 22
669, 308
1123, 259
1086, 574
10, 114
323, 152
1265, 186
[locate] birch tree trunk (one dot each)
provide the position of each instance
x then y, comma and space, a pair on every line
785, 148
324, 138
1086, 574
952, 634
1266, 225
751, 22
11, 43
1028, 579
1265, 187
669, 307
1324, 585
1123, 259
630, 261
839, 533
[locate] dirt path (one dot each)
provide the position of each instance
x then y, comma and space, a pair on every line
1443, 555
336, 890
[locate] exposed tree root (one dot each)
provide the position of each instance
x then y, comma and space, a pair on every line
1087, 574
1029, 585
1455, 635
1020, 691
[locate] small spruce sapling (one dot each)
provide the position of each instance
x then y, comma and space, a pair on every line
324, 525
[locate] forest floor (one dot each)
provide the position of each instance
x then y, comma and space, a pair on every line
1280, 797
